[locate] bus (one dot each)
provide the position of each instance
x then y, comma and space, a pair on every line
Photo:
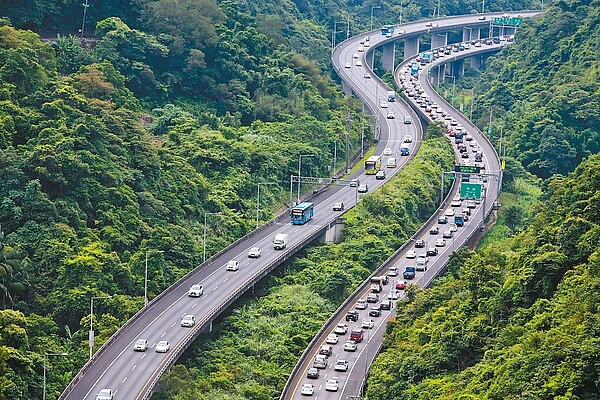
302, 213
373, 165
387, 29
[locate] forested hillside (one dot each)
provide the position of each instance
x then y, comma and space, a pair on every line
544, 89
517, 319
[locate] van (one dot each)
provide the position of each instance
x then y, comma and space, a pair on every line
391, 163
407, 119
280, 241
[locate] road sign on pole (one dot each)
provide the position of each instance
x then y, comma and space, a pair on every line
470, 190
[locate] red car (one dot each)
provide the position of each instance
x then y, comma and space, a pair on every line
401, 285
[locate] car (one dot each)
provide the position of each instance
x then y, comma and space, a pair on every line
326, 350
429, 24
332, 338
383, 104
350, 345
464, 216
105, 394
393, 271
163, 346
419, 244
385, 305
387, 151
455, 202
341, 329
466, 211
411, 254
482, 18
422, 258
367, 323
390, 115
449, 213
320, 361
360, 49
355, 55
372, 298
380, 175
307, 389
354, 183
435, 230
391, 163
432, 251
332, 385
452, 228
196, 290
440, 242
409, 272
347, 65
312, 373
352, 315
401, 285
254, 252
341, 365
367, 44
339, 206
375, 312
442, 220
447, 234
404, 151
233, 265
407, 139
140, 345
367, 75
464, 155
453, 122
470, 204
188, 321
358, 63
361, 304
393, 294
363, 189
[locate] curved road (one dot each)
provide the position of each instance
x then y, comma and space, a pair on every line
351, 381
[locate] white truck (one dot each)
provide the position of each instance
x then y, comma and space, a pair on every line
280, 241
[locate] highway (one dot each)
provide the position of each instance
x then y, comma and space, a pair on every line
134, 375
350, 382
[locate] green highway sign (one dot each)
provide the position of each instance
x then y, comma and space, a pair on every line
470, 190
469, 169
510, 21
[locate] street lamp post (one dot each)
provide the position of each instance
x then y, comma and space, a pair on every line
300, 169
46, 355
146, 277
334, 33
258, 198
204, 237
85, 7
91, 336
373, 8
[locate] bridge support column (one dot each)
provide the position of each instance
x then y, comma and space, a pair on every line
389, 54
439, 40
458, 68
476, 34
467, 32
437, 74
333, 234
475, 61
411, 47
346, 88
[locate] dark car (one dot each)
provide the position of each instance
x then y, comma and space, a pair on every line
385, 305
420, 243
434, 231
352, 315
409, 273
432, 251
372, 298
374, 312
313, 373
442, 220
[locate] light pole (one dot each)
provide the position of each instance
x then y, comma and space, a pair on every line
85, 7
373, 8
258, 198
91, 337
46, 355
362, 138
400, 12
300, 169
146, 277
334, 33
204, 237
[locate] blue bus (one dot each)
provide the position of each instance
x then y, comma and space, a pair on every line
387, 29
302, 213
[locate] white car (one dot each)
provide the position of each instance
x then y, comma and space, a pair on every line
393, 271
196, 290
407, 139
449, 213
455, 202
163, 346
254, 252
332, 385
393, 295
360, 49
233, 265
391, 115
105, 394
367, 75
440, 243
140, 345
367, 323
411, 254
341, 329
361, 304
188, 321
332, 338
350, 345
387, 151
308, 389
383, 104
358, 63
347, 65
341, 365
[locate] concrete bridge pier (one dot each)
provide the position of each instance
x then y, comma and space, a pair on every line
475, 61
389, 54
334, 231
411, 47
458, 67
439, 40
346, 88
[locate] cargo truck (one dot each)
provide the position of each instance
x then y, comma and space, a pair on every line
280, 241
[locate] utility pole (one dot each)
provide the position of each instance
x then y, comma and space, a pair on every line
348, 143
85, 7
